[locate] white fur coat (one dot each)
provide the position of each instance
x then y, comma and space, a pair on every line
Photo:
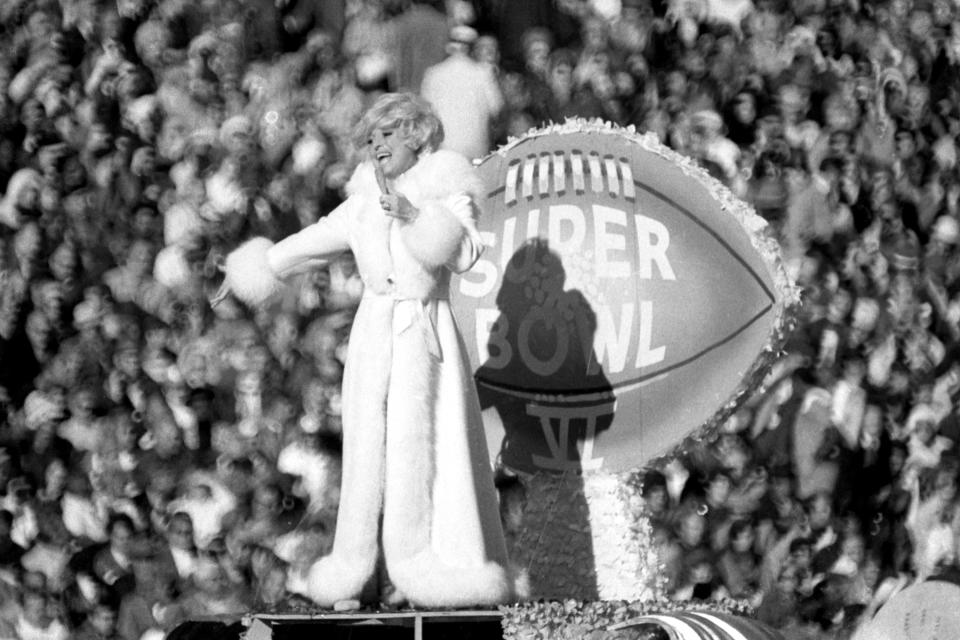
414, 452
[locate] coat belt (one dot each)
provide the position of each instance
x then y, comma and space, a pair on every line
414, 314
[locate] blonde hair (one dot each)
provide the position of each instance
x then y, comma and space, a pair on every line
412, 117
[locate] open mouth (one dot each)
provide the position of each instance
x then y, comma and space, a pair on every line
383, 155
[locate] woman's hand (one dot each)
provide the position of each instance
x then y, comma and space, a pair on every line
397, 206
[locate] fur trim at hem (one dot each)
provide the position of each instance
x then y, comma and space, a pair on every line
433, 238
427, 581
248, 273
334, 578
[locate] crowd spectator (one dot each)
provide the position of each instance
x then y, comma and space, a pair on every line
160, 458
465, 95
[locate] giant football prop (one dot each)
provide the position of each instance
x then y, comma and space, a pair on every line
627, 301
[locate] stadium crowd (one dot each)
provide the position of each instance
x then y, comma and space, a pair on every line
162, 459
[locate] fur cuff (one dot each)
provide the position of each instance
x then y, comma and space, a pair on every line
434, 236
248, 273
429, 582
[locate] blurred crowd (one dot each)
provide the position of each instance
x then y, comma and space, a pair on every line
161, 459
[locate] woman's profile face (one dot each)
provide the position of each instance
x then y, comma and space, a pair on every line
391, 151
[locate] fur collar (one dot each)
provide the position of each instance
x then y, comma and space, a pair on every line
436, 175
